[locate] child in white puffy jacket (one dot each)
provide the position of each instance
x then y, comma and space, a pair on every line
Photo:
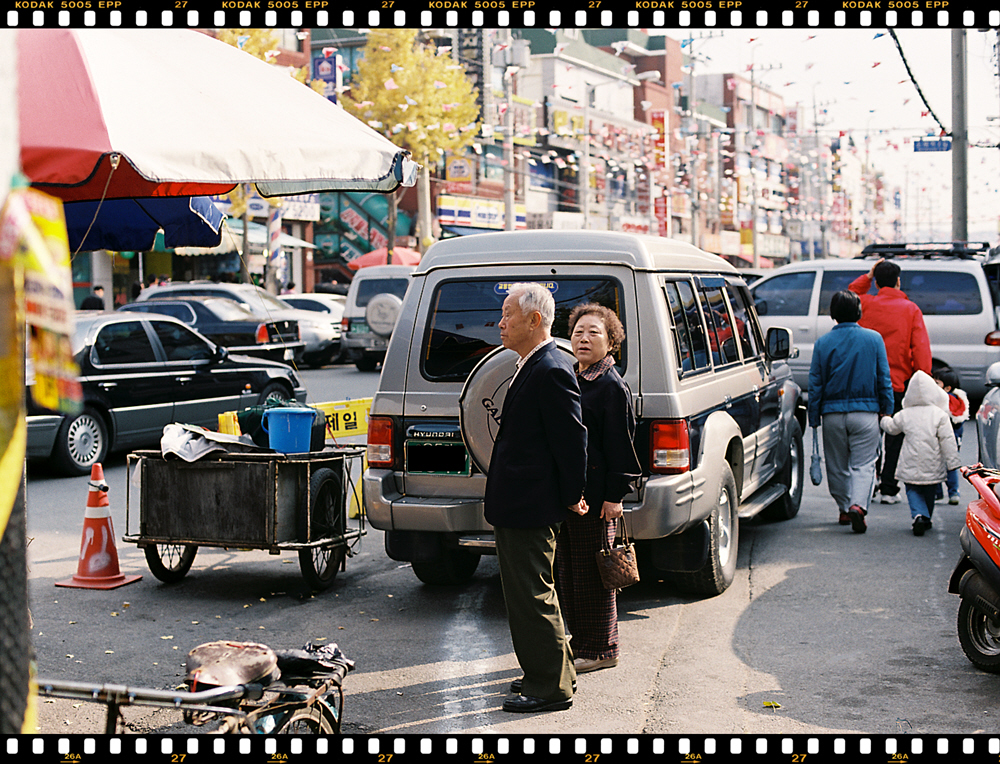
929, 448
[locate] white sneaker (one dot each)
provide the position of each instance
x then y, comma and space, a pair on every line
894, 499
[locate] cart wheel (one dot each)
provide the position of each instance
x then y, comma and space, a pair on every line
320, 564
170, 562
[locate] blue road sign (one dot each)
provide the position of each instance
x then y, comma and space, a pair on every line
938, 145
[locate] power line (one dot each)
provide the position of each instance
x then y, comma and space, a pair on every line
906, 64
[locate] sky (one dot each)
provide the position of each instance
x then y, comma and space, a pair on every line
858, 77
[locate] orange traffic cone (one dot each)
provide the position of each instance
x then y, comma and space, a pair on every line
98, 566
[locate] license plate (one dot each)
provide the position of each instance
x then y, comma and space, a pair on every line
360, 327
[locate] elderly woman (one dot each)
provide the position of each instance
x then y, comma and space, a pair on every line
849, 386
589, 609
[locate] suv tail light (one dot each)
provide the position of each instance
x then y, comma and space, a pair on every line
380, 442
261, 334
669, 447
345, 324
993, 338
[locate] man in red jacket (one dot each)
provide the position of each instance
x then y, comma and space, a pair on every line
901, 324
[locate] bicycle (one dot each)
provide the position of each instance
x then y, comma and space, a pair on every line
293, 692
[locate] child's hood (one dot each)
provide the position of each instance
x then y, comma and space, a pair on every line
924, 391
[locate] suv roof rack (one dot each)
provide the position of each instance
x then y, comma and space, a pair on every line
964, 250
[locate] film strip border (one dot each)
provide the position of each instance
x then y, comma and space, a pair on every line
722, 14
590, 749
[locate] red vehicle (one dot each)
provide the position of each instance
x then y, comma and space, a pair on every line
976, 578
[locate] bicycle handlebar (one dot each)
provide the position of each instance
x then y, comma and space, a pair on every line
123, 695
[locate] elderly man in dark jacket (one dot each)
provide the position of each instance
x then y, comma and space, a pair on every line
537, 475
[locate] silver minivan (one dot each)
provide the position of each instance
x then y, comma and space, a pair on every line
718, 435
957, 294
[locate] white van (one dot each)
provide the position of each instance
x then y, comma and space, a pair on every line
373, 302
956, 293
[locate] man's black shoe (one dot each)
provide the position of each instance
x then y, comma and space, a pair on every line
525, 704
515, 686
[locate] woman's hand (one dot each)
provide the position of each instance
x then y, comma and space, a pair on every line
611, 511
580, 508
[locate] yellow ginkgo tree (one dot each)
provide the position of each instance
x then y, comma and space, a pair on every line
419, 98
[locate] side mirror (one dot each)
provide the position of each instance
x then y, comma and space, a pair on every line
779, 343
221, 354
761, 305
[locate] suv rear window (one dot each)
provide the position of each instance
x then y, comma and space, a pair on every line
936, 293
368, 288
464, 321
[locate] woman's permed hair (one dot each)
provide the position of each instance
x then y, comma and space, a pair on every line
612, 325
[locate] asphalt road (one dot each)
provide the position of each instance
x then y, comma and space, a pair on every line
824, 631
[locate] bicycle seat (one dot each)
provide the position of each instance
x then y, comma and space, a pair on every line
225, 663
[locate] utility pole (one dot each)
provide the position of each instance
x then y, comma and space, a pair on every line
696, 125
753, 144
960, 140
588, 93
509, 208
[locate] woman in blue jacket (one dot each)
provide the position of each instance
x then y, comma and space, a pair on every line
849, 388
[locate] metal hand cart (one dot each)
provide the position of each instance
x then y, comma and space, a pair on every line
274, 501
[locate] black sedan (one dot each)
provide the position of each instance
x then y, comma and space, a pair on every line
231, 325
139, 373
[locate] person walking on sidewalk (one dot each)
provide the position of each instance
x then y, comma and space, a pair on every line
849, 387
929, 449
900, 322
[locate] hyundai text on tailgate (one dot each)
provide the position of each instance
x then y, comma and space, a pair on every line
719, 432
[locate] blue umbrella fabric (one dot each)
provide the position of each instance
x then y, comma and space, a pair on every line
131, 224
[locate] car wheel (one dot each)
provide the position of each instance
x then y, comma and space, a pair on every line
326, 519
366, 363
790, 476
451, 568
82, 442
170, 562
276, 390
723, 540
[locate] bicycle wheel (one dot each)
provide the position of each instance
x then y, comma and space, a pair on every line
170, 562
320, 564
306, 721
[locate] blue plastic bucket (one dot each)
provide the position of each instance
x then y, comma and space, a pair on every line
289, 429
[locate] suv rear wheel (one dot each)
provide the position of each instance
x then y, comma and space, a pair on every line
450, 568
723, 541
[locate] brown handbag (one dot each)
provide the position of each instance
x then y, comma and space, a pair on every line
617, 563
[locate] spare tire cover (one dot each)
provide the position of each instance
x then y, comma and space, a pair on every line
481, 404
382, 312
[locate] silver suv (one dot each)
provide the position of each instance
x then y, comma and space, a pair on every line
954, 286
717, 435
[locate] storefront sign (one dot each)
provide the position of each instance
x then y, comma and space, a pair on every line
359, 225
300, 207
473, 212
458, 170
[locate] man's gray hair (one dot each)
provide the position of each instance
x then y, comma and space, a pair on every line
531, 297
